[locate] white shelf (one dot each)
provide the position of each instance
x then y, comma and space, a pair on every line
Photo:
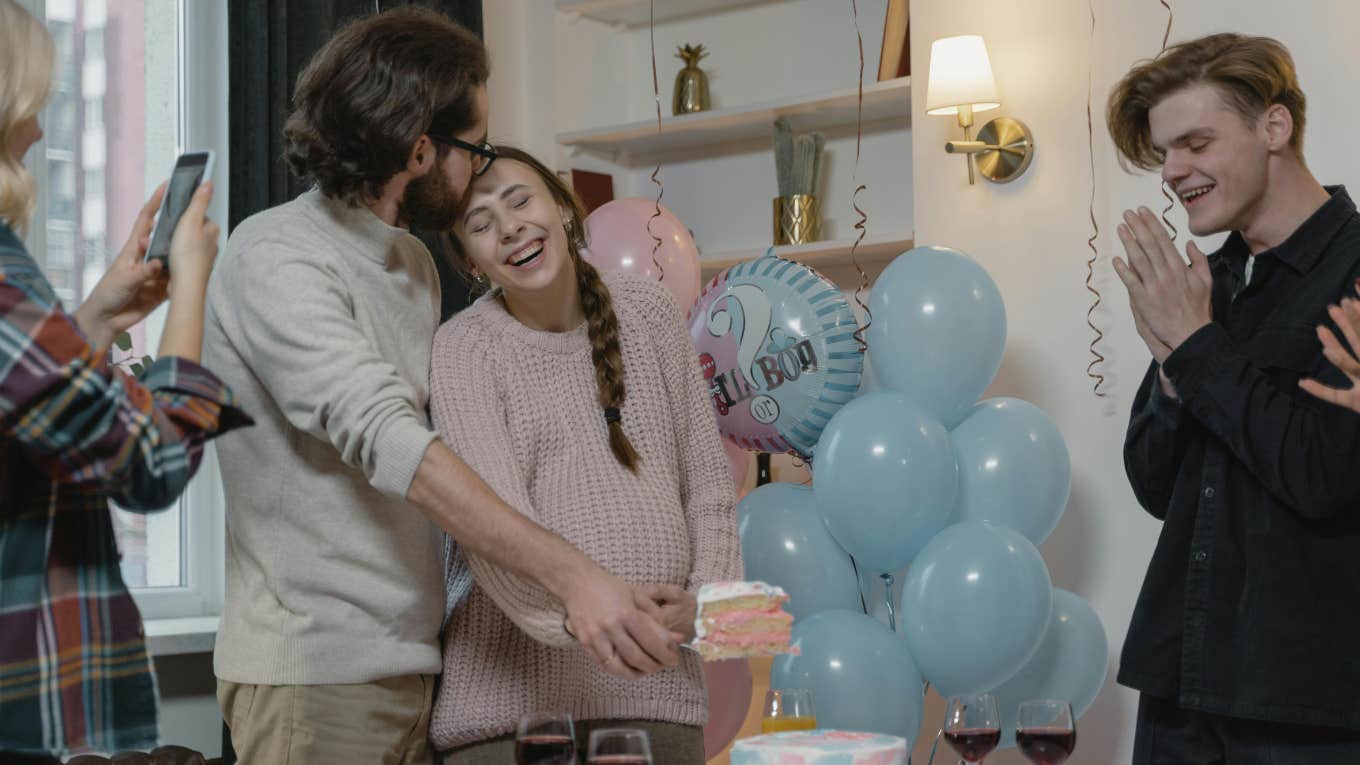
890, 99
873, 251
634, 13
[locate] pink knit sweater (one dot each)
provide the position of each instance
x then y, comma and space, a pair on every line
520, 406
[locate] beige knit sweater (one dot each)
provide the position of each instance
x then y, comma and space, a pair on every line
520, 407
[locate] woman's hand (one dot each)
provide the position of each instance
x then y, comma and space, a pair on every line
678, 608
131, 287
193, 248
1347, 318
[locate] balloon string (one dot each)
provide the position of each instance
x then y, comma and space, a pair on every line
862, 604
1098, 360
861, 225
933, 746
887, 599
660, 189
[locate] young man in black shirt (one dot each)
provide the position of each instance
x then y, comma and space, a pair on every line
1245, 641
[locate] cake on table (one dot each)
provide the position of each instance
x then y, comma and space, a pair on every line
741, 619
820, 747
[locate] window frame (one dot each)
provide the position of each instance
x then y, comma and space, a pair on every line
203, 124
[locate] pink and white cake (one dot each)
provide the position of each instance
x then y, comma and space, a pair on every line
820, 747
740, 619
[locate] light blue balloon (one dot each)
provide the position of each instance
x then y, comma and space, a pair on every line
1014, 469
886, 479
938, 331
1070, 664
862, 677
784, 542
977, 602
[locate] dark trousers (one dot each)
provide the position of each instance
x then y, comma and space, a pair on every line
1170, 735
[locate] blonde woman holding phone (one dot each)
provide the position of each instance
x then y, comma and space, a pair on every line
75, 434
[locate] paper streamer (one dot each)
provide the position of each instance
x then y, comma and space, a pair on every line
1097, 359
660, 188
861, 225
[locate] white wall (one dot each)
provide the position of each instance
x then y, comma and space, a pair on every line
1031, 236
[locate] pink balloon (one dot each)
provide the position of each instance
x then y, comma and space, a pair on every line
739, 461
618, 240
729, 696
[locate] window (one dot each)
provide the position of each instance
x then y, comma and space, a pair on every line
117, 118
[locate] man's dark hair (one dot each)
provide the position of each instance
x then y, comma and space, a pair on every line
371, 91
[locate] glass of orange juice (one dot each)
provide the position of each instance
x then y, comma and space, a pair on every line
788, 709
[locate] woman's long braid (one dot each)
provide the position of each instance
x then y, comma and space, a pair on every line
603, 326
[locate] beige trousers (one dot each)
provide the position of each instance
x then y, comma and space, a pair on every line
385, 722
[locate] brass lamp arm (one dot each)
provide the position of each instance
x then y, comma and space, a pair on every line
1003, 151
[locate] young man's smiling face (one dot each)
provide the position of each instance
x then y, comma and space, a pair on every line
1216, 159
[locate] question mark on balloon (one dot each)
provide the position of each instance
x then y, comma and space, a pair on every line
754, 311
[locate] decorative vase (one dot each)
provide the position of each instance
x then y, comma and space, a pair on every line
691, 84
797, 220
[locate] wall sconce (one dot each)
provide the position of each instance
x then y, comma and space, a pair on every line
961, 83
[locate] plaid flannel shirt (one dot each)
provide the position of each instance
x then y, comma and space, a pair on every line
75, 433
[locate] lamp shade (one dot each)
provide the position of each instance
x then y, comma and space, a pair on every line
960, 75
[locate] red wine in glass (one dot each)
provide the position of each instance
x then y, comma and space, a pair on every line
545, 749
1046, 746
973, 744
972, 726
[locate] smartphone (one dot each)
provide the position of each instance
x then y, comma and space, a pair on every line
191, 169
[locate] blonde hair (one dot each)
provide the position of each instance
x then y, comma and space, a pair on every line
1250, 73
27, 58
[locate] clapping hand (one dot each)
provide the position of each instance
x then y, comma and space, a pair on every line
1169, 301
1347, 318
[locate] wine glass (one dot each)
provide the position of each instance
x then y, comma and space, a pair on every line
972, 726
788, 709
545, 738
619, 746
1044, 732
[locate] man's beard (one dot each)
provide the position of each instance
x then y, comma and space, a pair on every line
431, 203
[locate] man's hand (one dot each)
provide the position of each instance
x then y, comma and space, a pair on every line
1347, 318
130, 289
678, 608
619, 626
1169, 301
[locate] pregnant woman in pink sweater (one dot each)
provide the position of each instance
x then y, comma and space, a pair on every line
578, 398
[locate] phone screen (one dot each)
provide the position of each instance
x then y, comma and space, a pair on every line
189, 172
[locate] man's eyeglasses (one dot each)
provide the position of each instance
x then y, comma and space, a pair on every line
482, 154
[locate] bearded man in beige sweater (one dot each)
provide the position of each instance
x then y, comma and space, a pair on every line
321, 315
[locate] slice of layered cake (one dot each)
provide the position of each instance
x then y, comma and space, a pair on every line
740, 619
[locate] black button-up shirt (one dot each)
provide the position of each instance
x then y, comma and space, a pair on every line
1251, 603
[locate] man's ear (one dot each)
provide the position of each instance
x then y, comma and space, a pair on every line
1278, 125
422, 157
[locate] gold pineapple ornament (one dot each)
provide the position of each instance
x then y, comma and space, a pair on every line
691, 84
